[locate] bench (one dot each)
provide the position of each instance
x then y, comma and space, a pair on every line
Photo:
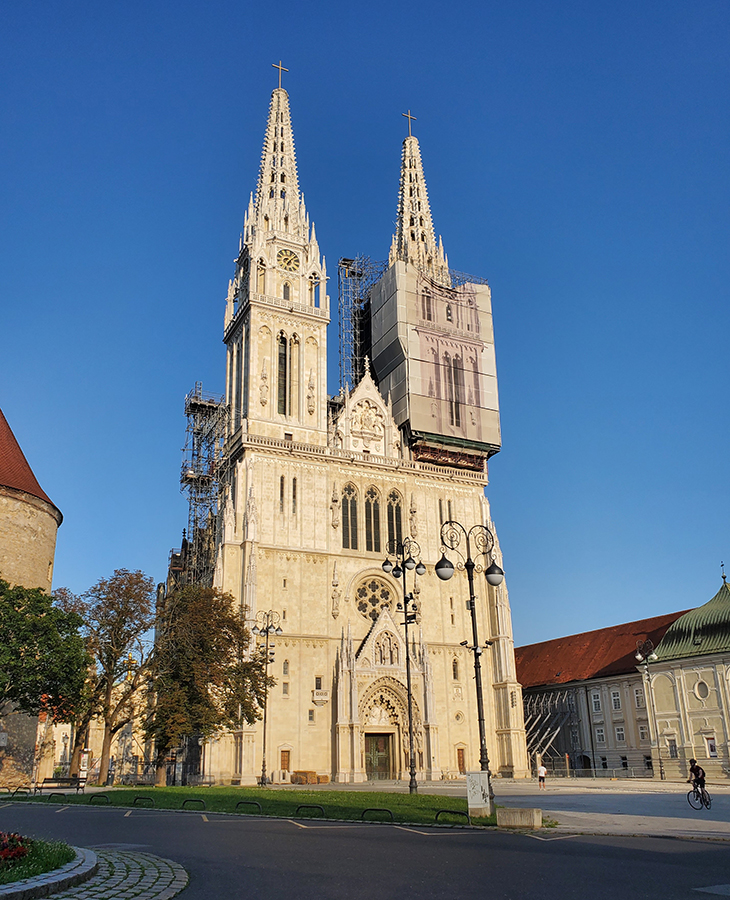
54, 784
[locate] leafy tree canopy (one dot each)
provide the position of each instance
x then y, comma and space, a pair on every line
43, 658
204, 677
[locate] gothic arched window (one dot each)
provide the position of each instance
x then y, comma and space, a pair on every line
455, 669
395, 517
261, 276
282, 373
349, 517
458, 389
372, 521
286, 290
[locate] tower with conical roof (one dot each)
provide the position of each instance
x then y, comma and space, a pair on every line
28, 519
432, 336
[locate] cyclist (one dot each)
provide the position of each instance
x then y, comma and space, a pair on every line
696, 776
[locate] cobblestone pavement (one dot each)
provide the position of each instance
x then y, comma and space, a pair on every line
126, 875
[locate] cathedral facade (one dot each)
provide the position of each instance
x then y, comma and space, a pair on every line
318, 491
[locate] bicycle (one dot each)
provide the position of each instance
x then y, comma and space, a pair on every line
698, 797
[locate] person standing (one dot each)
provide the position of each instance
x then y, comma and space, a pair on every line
541, 773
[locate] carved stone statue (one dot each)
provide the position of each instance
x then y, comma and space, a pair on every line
264, 386
335, 507
413, 517
310, 393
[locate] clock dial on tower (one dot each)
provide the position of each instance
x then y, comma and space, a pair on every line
288, 260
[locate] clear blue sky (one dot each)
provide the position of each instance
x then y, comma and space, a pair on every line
576, 155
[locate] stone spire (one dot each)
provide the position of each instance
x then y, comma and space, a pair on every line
278, 203
414, 240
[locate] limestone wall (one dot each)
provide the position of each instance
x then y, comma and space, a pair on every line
28, 529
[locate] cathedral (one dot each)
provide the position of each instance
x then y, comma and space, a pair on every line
316, 492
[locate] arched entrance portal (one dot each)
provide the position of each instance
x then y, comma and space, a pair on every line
384, 718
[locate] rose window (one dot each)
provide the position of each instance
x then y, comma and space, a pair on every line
371, 597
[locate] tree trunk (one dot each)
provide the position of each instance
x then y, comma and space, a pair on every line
105, 753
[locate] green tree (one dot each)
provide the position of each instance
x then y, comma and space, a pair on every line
117, 613
204, 678
43, 658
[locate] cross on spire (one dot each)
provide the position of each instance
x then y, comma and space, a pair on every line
282, 69
409, 117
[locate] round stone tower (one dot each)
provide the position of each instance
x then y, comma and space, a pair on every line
28, 519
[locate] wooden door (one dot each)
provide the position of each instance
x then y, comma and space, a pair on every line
378, 757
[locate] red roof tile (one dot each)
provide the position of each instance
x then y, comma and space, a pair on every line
14, 469
607, 651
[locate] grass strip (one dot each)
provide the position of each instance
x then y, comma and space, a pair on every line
282, 803
42, 857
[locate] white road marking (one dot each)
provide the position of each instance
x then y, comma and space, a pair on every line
720, 890
298, 824
204, 817
557, 837
127, 814
61, 809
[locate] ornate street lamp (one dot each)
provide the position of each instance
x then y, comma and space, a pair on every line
407, 557
452, 534
267, 624
644, 655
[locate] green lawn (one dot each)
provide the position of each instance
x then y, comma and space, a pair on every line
348, 805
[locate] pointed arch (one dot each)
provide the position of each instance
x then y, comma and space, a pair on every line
349, 517
395, 519
372, 520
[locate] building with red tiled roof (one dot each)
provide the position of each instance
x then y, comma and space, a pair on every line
29, 519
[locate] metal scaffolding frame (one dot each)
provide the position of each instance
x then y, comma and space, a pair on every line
200, 478
546, 713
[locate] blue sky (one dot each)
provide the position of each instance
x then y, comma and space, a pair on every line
576, 156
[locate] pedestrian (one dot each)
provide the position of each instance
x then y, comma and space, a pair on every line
541, 773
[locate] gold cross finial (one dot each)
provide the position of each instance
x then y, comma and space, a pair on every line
281, 69
409, 117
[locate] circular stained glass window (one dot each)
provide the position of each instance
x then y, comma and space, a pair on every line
372, 596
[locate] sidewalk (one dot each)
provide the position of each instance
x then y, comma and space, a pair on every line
635, 826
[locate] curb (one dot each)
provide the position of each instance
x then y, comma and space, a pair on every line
79, 870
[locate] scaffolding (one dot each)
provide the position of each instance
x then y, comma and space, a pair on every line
355, 279
200, 478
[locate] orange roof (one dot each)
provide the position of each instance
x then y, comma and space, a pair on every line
607, 651
15, 472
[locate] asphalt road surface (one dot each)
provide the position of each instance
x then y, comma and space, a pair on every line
229, 857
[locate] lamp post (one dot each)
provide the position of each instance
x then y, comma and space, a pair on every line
452, 534
407, 557
267, 623
644, 655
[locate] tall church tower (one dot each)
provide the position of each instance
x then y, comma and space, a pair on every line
277, 309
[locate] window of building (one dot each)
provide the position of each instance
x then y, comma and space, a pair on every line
282, 374
285, 667
455, 669
281, 494
643, 733
372, 521
574, 738
285, 688
293, 496
600, 736
372, 596
349, 517
639, 697
318, 683
286, 291
672, 745
624, 762
616, 699
604, 762
596, 701
426, 307
237, 754
712, 747
261, 276
620, 734
449, 315
395, 530
310, 716
285, 760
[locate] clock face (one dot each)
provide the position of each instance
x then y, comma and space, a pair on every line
288, 260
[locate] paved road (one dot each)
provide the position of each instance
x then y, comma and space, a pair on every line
276, 859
